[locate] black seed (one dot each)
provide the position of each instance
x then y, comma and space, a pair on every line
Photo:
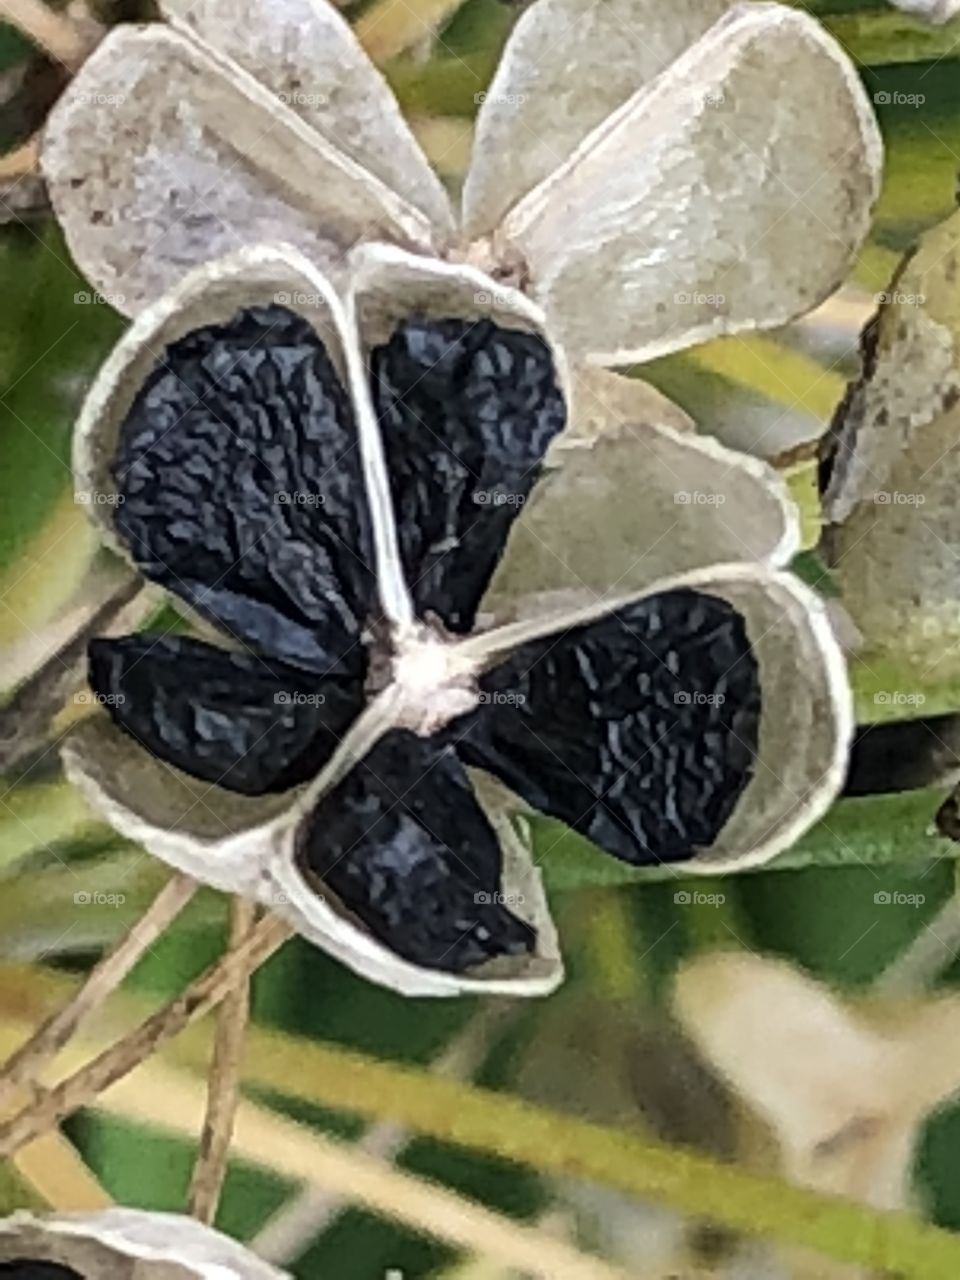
638, 730
241, 488
467, 411
31, 1269
405, 846
249, 724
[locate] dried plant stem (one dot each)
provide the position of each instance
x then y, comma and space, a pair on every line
25, 721
223, 1089
55, 34
22, 162
80, 1089
30, 1059
290, 1231
332, 1167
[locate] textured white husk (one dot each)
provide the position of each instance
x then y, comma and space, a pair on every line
649, 181
245, 844
118, 1244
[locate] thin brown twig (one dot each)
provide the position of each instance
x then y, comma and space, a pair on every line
29, 1060
80, 1089
223, 1088
311, 1211
55, 33
24, 161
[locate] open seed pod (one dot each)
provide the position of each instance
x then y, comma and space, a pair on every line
890, 469
123, 1244
649, 175
329, 490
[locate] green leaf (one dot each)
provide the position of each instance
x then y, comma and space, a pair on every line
864, 830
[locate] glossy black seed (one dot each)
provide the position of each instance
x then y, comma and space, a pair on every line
638, 730
250, 724
31, 1269
405, 846
240, 479
467, 411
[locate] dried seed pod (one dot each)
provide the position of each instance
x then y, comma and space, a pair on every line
123, 1244
330, 487
889, 473
270, 123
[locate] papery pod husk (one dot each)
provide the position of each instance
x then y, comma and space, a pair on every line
892, 539
130, 1244
245, 844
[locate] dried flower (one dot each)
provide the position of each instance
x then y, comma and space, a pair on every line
651, 175
112, 1244
339, 489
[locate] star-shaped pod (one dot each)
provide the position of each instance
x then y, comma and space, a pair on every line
405, 611
651, 174
123, 1244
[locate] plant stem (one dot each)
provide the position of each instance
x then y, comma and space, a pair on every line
292, 1229
553, 1143
55, 34
223, 1089
80, 1089
30, 1059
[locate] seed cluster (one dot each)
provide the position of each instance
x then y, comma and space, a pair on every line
638, 730
467, 411
245, 722
241, 484
404, 844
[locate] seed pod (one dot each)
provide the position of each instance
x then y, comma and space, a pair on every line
889, 474
123, 1244
267, 122
337, 493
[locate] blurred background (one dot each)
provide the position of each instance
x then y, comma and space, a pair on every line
798, 1021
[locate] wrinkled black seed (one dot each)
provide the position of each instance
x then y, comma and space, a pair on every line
405, 846
467, 411
241, 487
638, 730
31, 1269
250, 724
